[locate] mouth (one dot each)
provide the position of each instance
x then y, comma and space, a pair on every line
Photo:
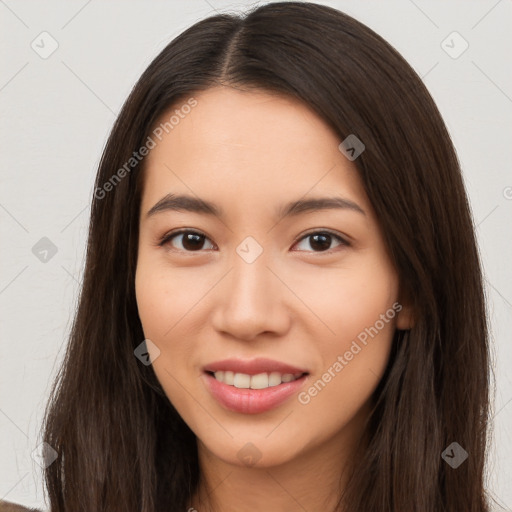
262, 380
252, 400
253, 386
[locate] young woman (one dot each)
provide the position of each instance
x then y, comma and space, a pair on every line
282, 305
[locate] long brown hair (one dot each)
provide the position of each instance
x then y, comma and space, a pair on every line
121, 444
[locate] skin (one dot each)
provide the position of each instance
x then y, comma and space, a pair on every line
250, 152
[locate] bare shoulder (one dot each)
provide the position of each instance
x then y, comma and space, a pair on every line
7, 506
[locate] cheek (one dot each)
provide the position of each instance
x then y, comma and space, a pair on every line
346, 301
358, 308
353, 365
163, 314
165, 296
349, 377
160, 312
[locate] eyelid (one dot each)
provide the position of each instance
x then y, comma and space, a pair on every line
343, 239
167, 237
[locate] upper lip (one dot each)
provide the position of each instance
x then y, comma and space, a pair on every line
252, 366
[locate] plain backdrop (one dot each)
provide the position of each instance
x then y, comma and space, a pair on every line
56, 113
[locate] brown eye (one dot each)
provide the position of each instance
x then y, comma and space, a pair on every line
320, 241
187, 240
194, 241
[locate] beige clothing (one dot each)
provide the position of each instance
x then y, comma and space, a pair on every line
7, 506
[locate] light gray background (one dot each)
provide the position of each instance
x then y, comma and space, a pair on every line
57, 112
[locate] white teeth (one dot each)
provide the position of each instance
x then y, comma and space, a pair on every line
274, 379
242, 380
260, 381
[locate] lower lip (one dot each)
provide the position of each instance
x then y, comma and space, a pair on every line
252, 401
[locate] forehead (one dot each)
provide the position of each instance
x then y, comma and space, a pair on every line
255, 123
250, 146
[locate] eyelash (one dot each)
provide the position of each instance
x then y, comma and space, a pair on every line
169, 236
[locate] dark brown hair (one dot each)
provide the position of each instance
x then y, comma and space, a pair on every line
121, 444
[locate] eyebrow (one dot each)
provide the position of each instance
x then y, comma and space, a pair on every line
173, 202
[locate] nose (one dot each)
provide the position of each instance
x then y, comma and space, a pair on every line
251, 300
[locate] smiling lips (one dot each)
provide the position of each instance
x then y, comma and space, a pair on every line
254, 386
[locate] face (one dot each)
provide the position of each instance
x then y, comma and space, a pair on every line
294, 307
